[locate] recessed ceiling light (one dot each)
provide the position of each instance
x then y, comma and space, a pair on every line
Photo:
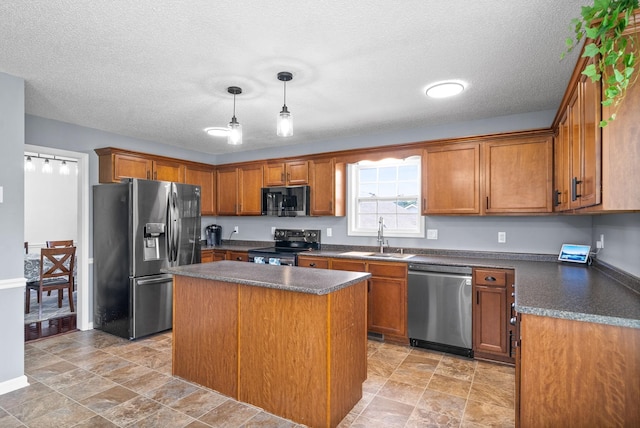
217, 131
445, 89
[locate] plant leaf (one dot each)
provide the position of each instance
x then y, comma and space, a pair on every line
591, 50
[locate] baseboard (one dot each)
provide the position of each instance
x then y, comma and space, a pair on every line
6, 284
13, 384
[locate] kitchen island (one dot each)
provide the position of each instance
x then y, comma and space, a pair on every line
290, 340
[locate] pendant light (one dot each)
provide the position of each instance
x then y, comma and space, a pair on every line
64, 168
28, 164
285, 120
46, 167
235, 129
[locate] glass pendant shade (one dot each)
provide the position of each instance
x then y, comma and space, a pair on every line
235, 132
285, 123
285, 120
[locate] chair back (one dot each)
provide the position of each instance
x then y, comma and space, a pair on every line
57, 244
56, 263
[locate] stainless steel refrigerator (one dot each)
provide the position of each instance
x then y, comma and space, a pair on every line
139, 228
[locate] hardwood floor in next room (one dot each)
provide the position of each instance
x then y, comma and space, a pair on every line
93, 379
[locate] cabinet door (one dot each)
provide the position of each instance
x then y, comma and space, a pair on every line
168, 171
206, 256
387, 303
561, 166
297, 173
313, 262
239, 256
327, 181
274, 174
205, 178
518, 176
451, 179
250, 190
126, 166
226, 191
219, 255
490, 320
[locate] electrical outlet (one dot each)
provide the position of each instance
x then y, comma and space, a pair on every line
598, 244
235, 229
601, 241
502, 237
432, 233
273, 230
329, 231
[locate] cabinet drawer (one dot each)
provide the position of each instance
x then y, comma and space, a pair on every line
239, 256
313, 262
388, 270
490, 277
350, 265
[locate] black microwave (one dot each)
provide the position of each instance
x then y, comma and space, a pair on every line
290, 201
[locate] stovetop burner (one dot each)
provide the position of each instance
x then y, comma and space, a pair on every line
288, 243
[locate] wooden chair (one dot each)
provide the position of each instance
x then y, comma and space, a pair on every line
58, 244
26, 247
56, 273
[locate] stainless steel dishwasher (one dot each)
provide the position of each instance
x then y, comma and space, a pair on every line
439, 308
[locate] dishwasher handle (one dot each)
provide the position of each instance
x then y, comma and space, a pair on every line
454, 270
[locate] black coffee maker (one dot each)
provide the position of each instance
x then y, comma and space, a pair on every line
214, 235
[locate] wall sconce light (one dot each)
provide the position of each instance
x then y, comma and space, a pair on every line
235, 129
285, 120
64, 168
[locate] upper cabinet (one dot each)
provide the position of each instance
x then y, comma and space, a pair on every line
116, 165
451, 179
203, 176
239, 190
292, 173
518, 175
328, 187
595, 168
510, 175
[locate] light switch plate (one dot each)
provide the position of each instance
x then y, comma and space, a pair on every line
1, 194
432, 233
329, 231
502, 237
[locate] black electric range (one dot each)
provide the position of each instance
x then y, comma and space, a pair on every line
288, 243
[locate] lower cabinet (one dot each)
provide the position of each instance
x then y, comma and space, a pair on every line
386, 293
206, 256
492, 298
239, 256
211, 255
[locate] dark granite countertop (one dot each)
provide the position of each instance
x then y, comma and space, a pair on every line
291, 278
545, 287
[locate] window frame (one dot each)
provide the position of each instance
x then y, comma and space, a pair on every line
352, 200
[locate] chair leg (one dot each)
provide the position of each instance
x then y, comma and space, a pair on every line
60, 293
70, 291
27, 301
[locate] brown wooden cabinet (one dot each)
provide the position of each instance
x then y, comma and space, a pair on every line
291, 173
211, 255
491, 313
328, 187
577, 374
313, 262
238, 256
387, 300
451, 179
116, 164
206, 256
239, 190
387, 296
203, 176
561, 193
518, 175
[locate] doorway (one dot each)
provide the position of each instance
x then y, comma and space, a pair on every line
82, 227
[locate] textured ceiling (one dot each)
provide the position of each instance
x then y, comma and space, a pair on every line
159, 70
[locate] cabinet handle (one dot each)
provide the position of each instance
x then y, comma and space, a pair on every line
155, 175
487, 202
556, 198
477, 297
424, 204
148, 173
282, 176
574, 188
513, 321
312, 265
239, 258
288, 176
489, 279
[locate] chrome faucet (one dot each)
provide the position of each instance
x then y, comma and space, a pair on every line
381, 234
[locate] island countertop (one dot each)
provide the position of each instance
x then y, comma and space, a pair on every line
290, 278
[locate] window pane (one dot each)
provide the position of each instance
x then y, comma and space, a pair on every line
408, 172
387, 173
407, 188
368, 174
367, 190
368, 221
365, 207
387, 190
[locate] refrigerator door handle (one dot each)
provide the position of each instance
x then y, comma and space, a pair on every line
172, 216
153, 281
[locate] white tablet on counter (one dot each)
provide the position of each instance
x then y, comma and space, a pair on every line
575, 253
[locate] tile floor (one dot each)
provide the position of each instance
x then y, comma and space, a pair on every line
93, 379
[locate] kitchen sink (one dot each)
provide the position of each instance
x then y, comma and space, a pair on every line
376, 255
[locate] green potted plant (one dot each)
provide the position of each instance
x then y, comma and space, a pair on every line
616, 52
